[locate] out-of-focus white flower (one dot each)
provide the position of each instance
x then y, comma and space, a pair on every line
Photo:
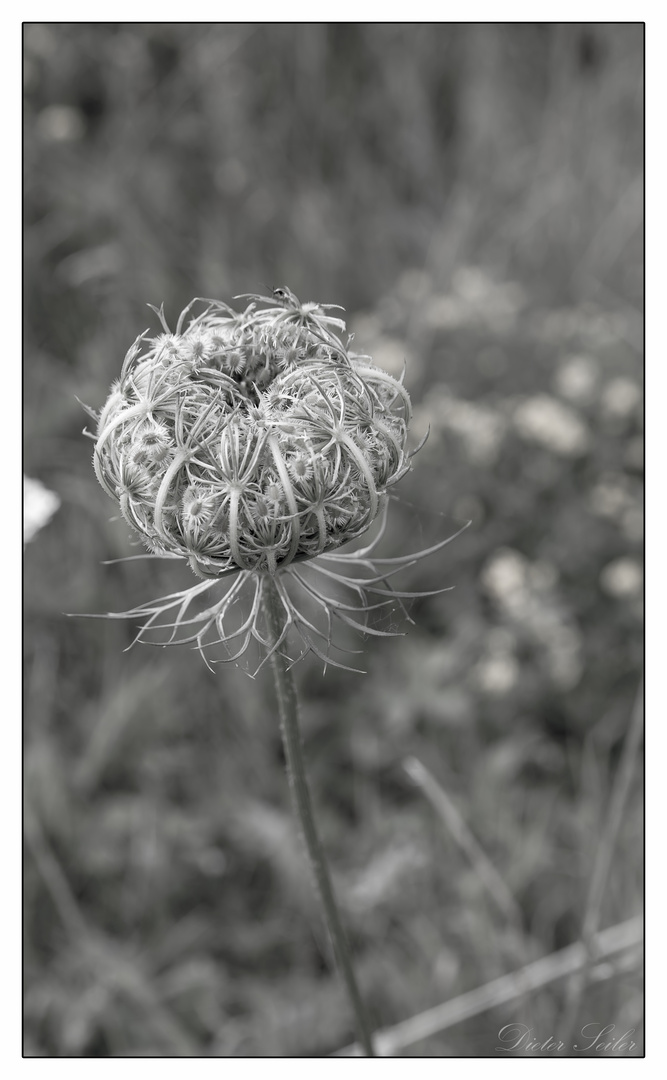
525, 593
588, 324
505, 577
477, 287
621, 397
611, 497
544, 420
497, 674
61, 123
577, 378
39, 506
615, 497
475, 299
622, 578
446, 313
480, 429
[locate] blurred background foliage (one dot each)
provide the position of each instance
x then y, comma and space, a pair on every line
473, 196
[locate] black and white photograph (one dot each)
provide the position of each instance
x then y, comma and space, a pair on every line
333, 539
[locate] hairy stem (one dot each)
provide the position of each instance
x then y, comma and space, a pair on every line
302, 805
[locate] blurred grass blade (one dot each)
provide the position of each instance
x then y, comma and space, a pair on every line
463, 836
603, 858
616, 939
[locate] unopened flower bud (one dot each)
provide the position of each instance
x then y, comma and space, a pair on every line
255, 443
244, 426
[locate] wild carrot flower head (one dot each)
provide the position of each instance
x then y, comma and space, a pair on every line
253, 443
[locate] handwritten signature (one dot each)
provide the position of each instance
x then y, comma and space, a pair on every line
602, 1038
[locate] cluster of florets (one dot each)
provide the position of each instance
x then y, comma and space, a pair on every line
250, 440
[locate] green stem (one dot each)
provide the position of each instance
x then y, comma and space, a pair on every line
289, 727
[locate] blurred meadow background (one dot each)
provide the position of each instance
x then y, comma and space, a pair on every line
473, 196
